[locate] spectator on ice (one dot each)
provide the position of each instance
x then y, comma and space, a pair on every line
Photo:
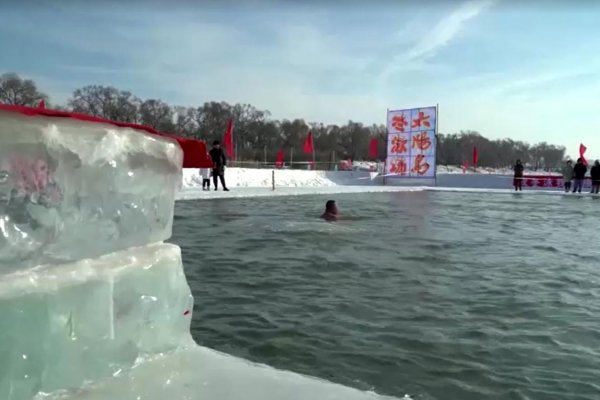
219, 162
205, 174
518, 178
595, 173
579, 172
567, 173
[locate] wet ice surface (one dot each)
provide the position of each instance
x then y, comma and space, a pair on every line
250, 192
199, 373
195, 193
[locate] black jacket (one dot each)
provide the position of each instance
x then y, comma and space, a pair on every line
595, 173
218, 157
579, 170
519, 170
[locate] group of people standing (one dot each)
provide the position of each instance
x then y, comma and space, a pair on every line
217, 156
576, 174
573, 176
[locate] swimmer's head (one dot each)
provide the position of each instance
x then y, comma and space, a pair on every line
331, 207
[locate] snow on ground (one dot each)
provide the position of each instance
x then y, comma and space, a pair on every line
250, 182
255, 177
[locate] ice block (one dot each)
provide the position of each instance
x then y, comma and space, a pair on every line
199, 373
73, 189
64, 325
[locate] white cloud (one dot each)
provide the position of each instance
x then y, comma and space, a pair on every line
445, 30
431, 42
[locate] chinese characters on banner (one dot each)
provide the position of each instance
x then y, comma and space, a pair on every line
411, 142
549, 182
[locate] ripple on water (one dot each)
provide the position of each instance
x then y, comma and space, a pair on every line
439, 295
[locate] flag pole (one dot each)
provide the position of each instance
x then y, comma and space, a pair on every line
292, 157
437, 124
234, 143
387, 133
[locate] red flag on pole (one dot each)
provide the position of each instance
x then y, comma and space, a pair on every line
582, 150
42, 104
373, 148
280, 159
475, 156
309, 146
228, 140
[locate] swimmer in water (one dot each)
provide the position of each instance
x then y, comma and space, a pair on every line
331, 211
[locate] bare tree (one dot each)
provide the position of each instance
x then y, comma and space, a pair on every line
21, 92
157, 114
186, 121
106, 102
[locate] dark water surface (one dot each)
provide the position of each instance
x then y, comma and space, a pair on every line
435, 295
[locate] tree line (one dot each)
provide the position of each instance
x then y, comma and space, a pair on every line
257, 135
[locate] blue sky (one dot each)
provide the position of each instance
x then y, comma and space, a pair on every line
530, 72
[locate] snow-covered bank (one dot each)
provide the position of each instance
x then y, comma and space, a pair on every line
249, 182
264, 178
254, 177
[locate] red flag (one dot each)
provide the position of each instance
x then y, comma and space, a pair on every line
42, 104
309, 146
475, 156
228, 140
465, 166
280, 159
582, 150
373, 150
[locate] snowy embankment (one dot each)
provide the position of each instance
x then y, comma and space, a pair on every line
253, 177
249, 182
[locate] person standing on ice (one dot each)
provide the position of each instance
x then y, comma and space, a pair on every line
595, 173
518, 178
579, 171
567, 173
205, 174
219, 162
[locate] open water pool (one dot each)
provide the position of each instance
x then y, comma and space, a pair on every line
431, 294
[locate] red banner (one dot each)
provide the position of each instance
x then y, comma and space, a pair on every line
228, 140
309, 146
373, 149
280, 159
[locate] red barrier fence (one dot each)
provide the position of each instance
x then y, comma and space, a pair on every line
549, 181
